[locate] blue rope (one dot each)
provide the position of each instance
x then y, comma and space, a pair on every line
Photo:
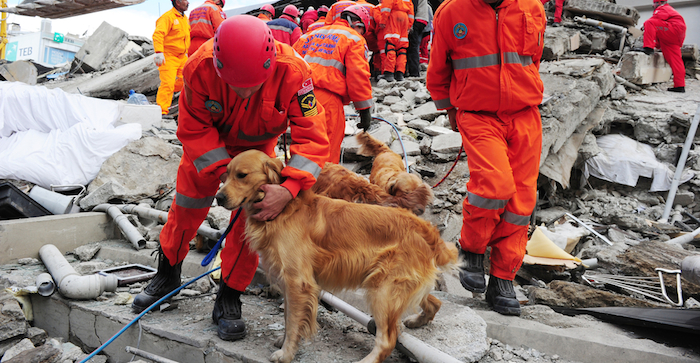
115, 336
210, 256
398, 134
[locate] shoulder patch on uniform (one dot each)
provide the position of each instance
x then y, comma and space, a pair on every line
213, 106
306, 87
460, 30
307, 103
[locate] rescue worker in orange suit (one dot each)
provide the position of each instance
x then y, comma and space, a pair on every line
484, 70
336, 9
231, 104
666, 30
395, 20
204, 21
267, 12
171, 40
286, 28
337, 54
322, 12
309, 17
558, 10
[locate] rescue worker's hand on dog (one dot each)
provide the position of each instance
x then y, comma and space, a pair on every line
452, 115
276, 198
365, 119
159, 60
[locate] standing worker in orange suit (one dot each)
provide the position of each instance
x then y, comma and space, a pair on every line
337, 54
267, 12
322, 12
286, 28
484, 70
395, 20
171, 40
204, 21
666, 30
231, 104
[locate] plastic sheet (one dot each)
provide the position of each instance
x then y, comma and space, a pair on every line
52, 137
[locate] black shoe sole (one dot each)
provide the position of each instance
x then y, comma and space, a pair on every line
473, 289
139, 309
231, 336
505, 310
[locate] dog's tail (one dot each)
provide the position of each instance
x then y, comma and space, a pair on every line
371, 146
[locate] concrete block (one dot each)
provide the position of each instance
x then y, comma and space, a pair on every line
19, 71
102, 45
82, 326
690, 52
640, 68
147, 116
603, 10
558, 41
23, 237
55, 315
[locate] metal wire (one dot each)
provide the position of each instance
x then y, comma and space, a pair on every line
651, 287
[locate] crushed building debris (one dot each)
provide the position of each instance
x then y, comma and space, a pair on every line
612, 140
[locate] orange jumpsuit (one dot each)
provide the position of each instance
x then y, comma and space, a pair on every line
204, 21
264, 17
395, 19
337, 55
172, 38
485, 63
336, 9
317, 24
215, 125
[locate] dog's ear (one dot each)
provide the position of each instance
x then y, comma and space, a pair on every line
273, 169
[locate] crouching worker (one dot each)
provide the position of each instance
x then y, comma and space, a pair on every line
338, 56
230, 104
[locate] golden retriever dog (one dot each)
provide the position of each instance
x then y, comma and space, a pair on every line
321, 243
389, 172
337, 182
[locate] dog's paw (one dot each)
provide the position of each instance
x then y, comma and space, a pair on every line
279, 357
279, 342
415, 321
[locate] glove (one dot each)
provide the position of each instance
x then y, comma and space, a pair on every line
159, 59
365, 119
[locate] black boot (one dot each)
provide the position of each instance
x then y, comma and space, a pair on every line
500, 296
166, 280
676, 89
398, 76
389, 76
227, 314
471, 274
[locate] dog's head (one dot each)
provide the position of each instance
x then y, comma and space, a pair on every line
410, 191
247, 172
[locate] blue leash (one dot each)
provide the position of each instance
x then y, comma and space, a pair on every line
210, 256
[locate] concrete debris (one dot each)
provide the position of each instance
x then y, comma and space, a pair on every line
603, 10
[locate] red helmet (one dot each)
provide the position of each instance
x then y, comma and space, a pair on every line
323, 9
361, 12
269, 8
244, 35
291, 10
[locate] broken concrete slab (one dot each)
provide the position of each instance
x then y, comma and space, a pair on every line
106, 42
640, 68
603, 10
560, 40
19, 71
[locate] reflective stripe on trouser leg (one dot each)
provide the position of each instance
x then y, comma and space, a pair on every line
503, 162
170, 80
189, 209
238, 261
335, 121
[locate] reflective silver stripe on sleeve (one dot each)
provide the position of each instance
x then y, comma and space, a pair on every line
484, 203
386, 10
403, 39
411, 16
205, 21
299, 162
443, 103
515, 219
326, 62
282, 28
391, 35
361, 105
193, 203
211, 157
513, 57
476, 62
212, 6
338, 31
